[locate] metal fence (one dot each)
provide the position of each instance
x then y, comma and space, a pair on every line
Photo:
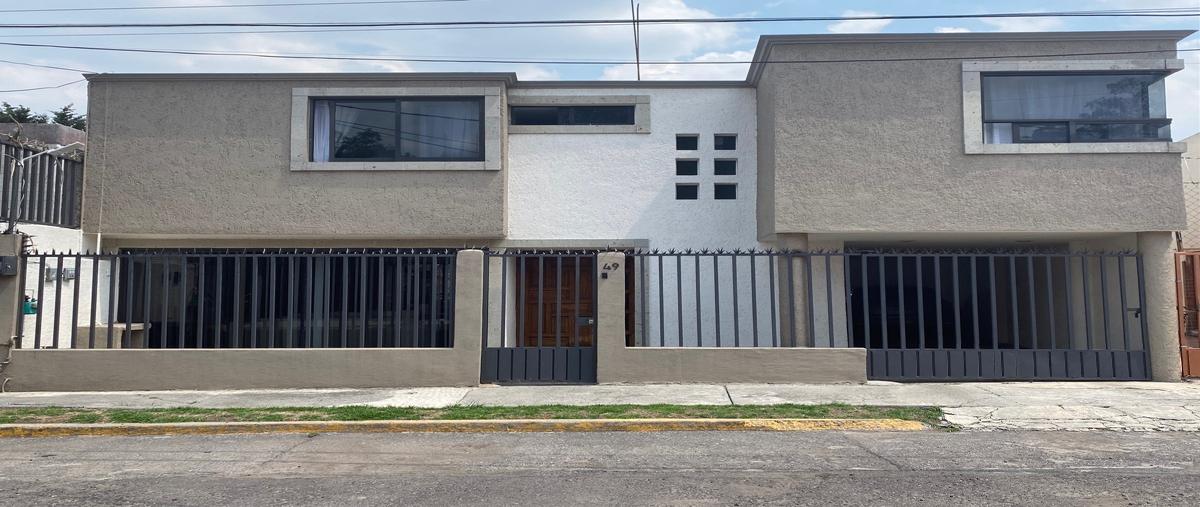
43, 190
191, 299
920, 314
539, 321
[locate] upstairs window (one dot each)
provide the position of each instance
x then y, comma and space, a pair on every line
725, 142
397, 129
1074, 108
571, 115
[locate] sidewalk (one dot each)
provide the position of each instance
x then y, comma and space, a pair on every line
1131, 406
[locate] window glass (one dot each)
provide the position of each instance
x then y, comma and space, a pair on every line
571, 115
441, 129
725, 191
364, 130
686, 142
1069, 97
687, 192
725, 167
686, 167
725, 142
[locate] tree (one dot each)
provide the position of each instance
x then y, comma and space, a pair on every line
67, 116
20, 114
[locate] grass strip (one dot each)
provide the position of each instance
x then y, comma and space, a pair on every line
44, 415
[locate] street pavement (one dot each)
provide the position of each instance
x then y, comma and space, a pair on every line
701, 468
1126, 406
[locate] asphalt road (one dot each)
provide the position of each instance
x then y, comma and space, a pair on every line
551, 469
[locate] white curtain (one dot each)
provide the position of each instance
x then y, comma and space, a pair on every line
320, 130
1065, 97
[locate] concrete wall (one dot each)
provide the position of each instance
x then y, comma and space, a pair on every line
617, 363
1190, 236
878, 146
209, 157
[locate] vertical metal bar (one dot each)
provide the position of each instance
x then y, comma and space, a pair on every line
254, 295
1124, 303
413, 293
92, 310
1012, 286
995, 306
1069, 266
309, 292
75, 303
957, 310
487, 288
146, 301
774, 316
975, 297
343, 324
379, 303
521, 281
937, 296
558, 300
504, 300
1104, 299
272, 281
397, 295
828, 297
362, 302
866, 302
883, 302
238, 304
41, 281
679, 296
846, 298
434, 282
754, 298
291, 302
1032, 290
920, 285
699, 331
58, 281
183, 300
217, 303
200, 302
577, 340
737, 340
541, 293
717, 297
125, 341
326, 298
811, 304
1087, 305
643, 280
791, 260
662, 319
901, 296
1050, 301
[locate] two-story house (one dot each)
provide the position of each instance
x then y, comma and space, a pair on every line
952, 185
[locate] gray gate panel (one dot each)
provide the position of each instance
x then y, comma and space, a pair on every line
587, 364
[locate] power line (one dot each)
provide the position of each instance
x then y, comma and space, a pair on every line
1174, 12
43, 87
288, 4
46, 66
559, 62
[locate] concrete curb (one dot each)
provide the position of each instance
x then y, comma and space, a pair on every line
464, 426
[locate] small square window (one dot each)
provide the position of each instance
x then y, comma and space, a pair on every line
686, 167
688, 142
687, 192
725, 191
725, 167
725, 142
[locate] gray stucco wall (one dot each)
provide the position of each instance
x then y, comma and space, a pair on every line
878, 146
210, 157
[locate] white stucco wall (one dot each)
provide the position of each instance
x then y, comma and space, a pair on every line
621, 188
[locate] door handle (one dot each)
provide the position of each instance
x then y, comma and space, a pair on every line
585, 321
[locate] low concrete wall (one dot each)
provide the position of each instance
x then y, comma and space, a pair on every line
617, 363
148, 369
155, 369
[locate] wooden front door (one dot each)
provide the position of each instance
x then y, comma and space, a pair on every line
559, 301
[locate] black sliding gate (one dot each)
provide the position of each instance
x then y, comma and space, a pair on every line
539, 321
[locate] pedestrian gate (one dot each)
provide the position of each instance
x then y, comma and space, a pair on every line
539, 320
1187, 273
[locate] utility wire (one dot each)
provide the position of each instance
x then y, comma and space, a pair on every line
43, 87
228, 6
1175, 12
561, 62
47, 66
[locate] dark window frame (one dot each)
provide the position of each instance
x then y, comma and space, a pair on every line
695, 166
717, 166
571, 110
694, 137
718, 186
695, 189
399, 100
1071, 123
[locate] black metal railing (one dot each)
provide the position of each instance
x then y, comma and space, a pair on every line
1031, 307
45, 189
191, 299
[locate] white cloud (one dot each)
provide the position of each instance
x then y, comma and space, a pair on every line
685, 71
951, 29
1024, 24
17, 77
536, 73
1183, 95
859, 25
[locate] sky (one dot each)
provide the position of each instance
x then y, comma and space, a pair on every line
701, 42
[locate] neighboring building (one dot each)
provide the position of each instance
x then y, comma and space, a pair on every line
1189, 238
972, 142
